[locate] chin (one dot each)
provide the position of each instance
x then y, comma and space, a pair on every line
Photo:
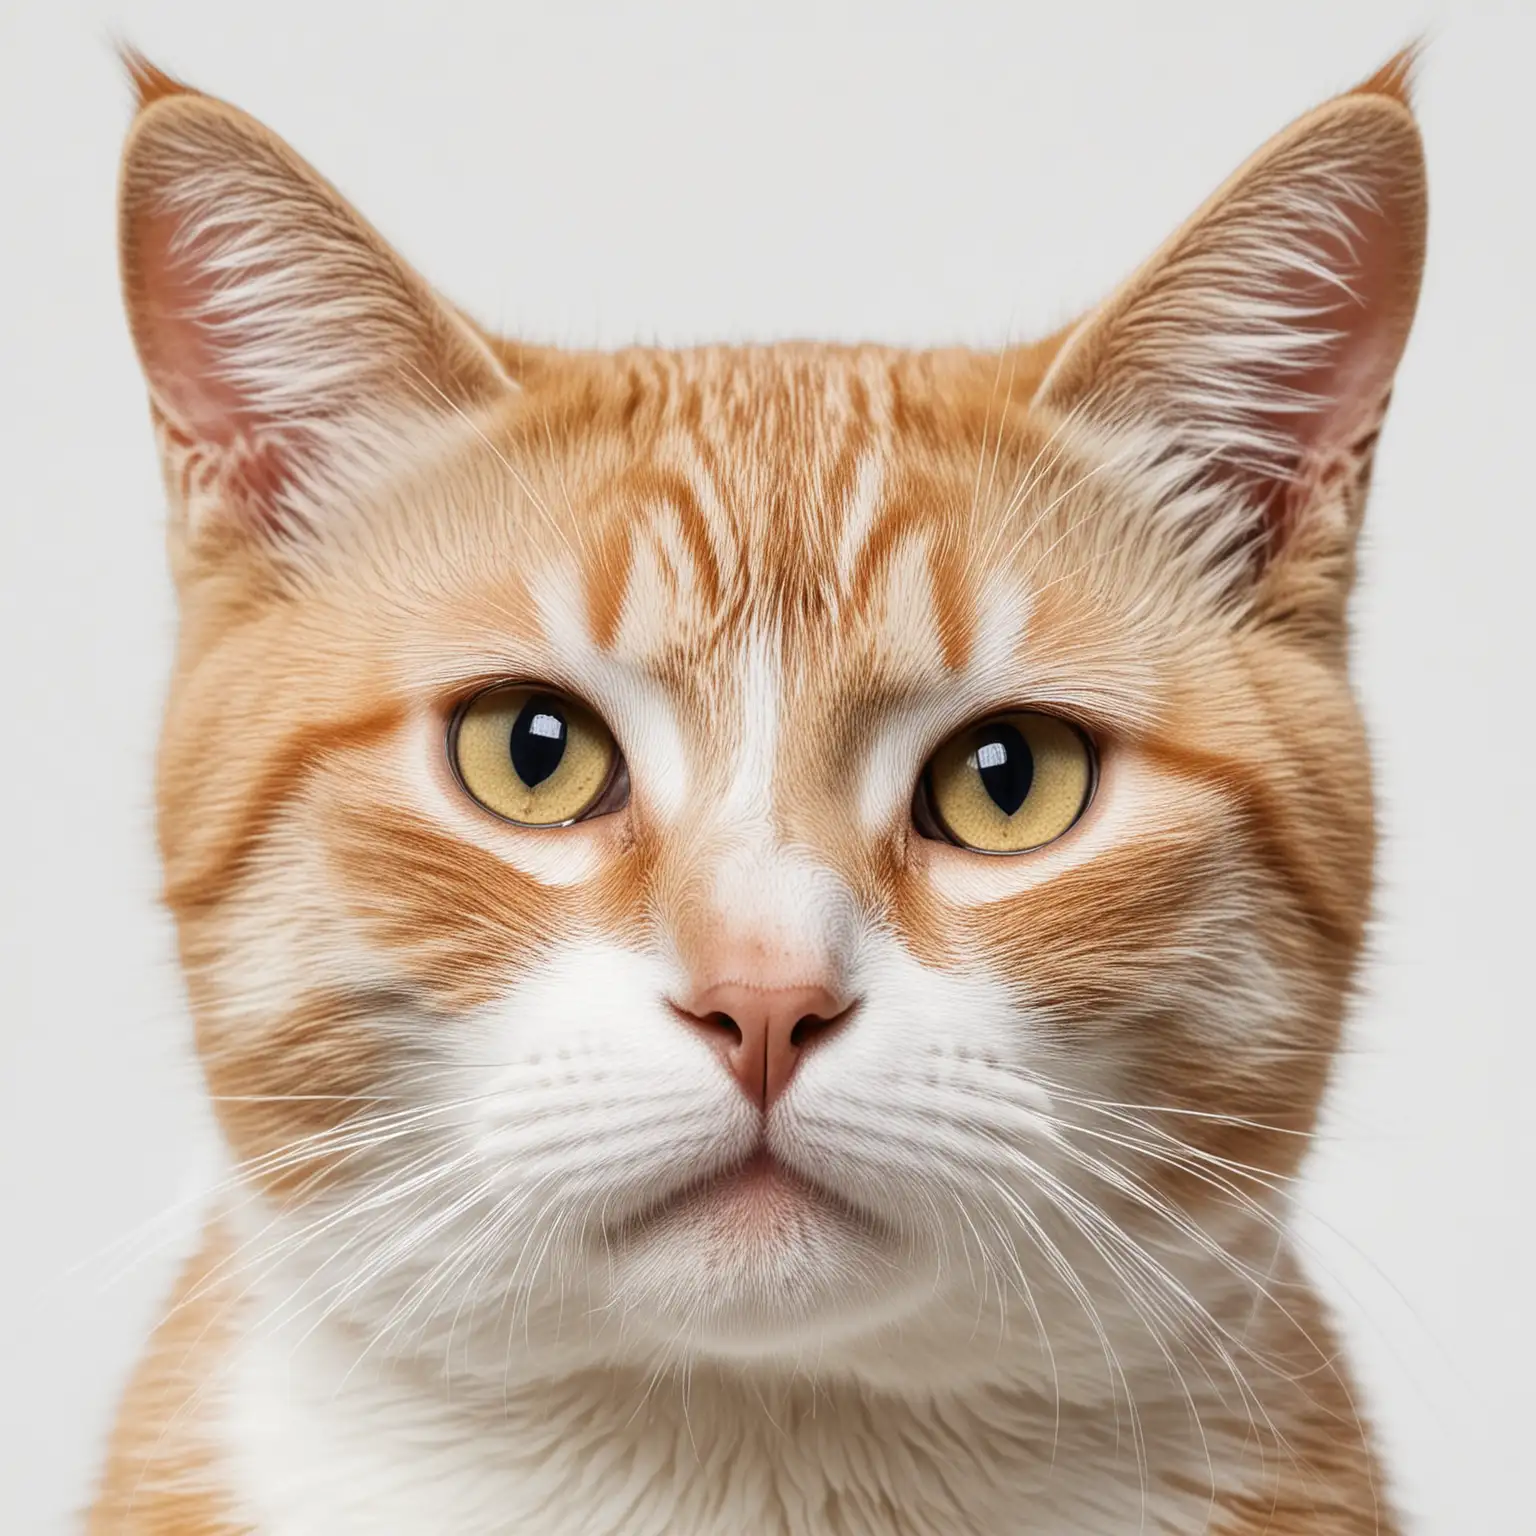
760, 1264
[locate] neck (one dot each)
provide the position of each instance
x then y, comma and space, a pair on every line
706, 1449
554, 1424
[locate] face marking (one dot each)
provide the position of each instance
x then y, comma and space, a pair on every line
999, 672
1002, 612
619, 686
756, 725
646, 611
652, 739
859, 518
906, 631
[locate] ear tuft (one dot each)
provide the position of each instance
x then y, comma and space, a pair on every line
150, 82
1396, 78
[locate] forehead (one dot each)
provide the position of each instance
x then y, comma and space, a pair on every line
840, 506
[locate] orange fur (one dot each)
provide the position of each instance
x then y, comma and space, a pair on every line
161, 1477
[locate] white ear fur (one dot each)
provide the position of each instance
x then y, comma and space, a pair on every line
279, 334
1260, 342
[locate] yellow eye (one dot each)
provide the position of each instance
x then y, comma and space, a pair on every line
534, 757
1011, 783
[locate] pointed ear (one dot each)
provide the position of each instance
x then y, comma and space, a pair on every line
290, 354
1247, 365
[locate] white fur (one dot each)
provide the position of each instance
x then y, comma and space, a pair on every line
322, 1450
864, 504
619, 1391
754, 718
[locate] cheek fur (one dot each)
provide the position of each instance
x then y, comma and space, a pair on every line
581, 1082
285, 1088
454, 919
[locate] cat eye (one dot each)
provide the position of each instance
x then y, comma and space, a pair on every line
1008, 784
534, 757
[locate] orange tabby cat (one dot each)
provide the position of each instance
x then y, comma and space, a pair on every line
765, 925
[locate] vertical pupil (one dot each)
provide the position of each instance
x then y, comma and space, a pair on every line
538, 739
1006, 766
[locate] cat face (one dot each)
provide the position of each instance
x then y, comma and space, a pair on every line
763, 852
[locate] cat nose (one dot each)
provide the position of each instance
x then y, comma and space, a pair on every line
760, 1033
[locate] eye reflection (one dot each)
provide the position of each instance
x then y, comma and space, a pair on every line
1006, 766
538, 740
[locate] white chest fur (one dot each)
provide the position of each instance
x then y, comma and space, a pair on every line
320, 1446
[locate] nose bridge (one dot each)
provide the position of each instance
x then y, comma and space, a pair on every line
765, 961
759, 903
766, 916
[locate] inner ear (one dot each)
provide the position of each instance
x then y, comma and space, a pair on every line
1345, 299
198, 405
178, 317
1347, 312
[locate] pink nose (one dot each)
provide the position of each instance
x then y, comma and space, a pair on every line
760, 1033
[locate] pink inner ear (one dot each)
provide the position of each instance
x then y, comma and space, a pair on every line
1364, 320
1352, 381
189, 370
176, 333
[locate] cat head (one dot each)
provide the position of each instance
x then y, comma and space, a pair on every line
759, 851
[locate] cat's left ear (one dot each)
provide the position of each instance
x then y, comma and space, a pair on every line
1245, 369
291, 355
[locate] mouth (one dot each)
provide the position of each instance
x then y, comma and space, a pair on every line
757, 1259
761, 1198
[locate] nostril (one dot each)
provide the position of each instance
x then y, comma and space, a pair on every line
806, 1029
716, 1025
812, 1026
725, 1023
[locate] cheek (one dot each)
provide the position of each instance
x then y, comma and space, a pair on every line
1112, 936
288, 1088
455, 903
619, 904
289, 1000
1098, 920
454, 921
303, 999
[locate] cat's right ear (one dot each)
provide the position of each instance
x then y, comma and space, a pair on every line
1244, 372
290, 353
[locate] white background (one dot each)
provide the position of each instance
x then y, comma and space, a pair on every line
679, 172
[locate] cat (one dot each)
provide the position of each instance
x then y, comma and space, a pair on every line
766, 925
